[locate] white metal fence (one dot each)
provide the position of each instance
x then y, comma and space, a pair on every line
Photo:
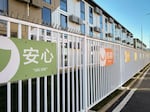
80, 83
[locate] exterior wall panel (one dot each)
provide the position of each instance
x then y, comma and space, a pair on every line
21, 10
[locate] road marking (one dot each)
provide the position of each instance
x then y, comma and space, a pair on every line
124, 102
130, 94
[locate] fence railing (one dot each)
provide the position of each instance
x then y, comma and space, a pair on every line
88, 70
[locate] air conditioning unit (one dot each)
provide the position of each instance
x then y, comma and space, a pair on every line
131, 44
80, 21
97, 29
123, 30
27, 1
118, 38
109, 35
118, 26
128, 43
110, 20
98, 11
73, 18
123, 41
37, 3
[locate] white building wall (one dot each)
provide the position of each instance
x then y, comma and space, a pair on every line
87, 24
73, 8
55, 17
103, 29
96, 23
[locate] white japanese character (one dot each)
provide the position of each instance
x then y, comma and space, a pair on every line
47, 56
31, 55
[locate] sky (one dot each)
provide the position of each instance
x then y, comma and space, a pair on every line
132, 14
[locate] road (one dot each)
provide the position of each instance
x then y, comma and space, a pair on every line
137, 98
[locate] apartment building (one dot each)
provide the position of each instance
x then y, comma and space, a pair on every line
139, 44
84, 17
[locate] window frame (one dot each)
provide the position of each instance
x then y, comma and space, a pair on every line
101, 21
82, 10
91, 31
90, 15
106, 24
4, 8
50, 21
82, 28
61, 21
47, 1
62, 3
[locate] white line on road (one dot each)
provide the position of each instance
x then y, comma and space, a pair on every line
128, 97
124, 102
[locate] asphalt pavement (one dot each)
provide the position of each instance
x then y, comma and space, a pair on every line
140, 100
137, 98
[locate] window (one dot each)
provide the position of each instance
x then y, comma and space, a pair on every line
3, 6
91, 31
48, 1
112, 28
46, 15
63, 21
106, 27
82, 28
63, 5
90, 15
101, 26
82, 10
101, 22
101, 35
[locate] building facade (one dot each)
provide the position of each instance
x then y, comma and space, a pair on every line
84, 17
138, 44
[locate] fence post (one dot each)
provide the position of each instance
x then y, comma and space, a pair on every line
85, 73
8, 29
120, 63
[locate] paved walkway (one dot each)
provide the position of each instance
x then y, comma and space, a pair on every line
138, 97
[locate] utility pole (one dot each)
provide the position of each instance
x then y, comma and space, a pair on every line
149, 44
147, 14
141, 37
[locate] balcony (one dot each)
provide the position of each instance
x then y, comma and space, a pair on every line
110, 20
97, 29
75, 19
98, 11
118, 38
123, 41
109, 35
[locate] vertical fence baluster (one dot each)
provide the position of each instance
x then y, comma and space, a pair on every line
68, 74
45, 94
20, 96
8, 97
52, 93
58, 72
